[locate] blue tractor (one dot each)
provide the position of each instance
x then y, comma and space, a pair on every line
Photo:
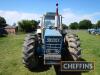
94, 31
50, 45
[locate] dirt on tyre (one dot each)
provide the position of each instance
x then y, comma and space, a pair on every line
72, 43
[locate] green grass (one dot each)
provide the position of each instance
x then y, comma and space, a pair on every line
11, 57
11, 54
91, 50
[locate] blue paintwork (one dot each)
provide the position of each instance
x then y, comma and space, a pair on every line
40, 51
53, 46
52, 32
94, 31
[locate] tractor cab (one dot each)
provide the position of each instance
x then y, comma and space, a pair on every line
49, 20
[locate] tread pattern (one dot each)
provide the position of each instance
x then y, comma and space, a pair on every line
29, 57
73, 45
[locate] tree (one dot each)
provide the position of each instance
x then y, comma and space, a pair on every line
64, 26
74, 25
27, 25
85, 24
3, 32
2, 22
94, 26
98, 24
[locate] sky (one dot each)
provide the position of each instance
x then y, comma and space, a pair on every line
71, 10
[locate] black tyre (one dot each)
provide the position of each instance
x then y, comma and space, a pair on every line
30, 58
72, 43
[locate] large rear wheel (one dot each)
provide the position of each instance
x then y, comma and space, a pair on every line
72, 43
71, 52
30, 58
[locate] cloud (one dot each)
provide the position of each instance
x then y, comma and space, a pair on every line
15, 16
70, 16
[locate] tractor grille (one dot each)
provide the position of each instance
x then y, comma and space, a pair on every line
53, 45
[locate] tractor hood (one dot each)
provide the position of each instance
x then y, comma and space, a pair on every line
53, 44
52, 32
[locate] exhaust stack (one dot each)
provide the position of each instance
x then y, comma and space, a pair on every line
57, 18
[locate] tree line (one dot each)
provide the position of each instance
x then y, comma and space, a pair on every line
31, 25
23, 25
84, 24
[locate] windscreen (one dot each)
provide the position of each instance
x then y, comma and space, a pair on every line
49, 21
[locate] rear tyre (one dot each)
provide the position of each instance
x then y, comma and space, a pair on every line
71, 52
72, 43
30, 58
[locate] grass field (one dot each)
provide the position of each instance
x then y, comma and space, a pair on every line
11, 53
